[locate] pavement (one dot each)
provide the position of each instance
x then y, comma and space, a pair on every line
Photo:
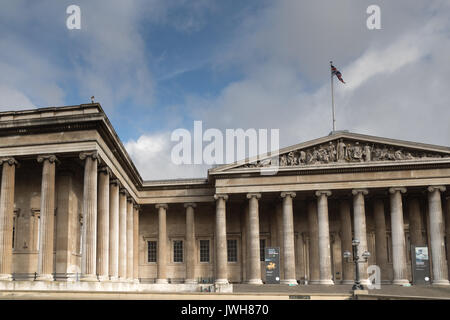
249, 292
386, 291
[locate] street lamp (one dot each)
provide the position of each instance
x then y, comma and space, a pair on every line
347, 255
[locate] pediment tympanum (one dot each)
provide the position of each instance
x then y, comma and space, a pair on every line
347, 151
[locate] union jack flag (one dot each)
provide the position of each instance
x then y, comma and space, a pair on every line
337, 73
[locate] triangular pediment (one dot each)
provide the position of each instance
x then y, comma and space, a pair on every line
342, 149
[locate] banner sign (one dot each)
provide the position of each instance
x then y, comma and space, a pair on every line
272, 259
420, 265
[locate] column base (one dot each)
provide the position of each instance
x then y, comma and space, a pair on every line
136, 281
88, 278
44, 277
221, 281
6, 277
190, 281
347, 281
327, 282
161, 281
113, 278
103, 278
289, 282
255, 281
440, 283
400, 281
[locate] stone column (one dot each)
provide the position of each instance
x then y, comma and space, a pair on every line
288, 239
221, 239
447, 227
6, 216
415, 222
103, 224
280, 234
89, 251
380, 239
162, 243
47, 221
346, 241
324, 238
253, 245
440, 276
359, 225
136, 243
123, 234
398, 236
130, 237
190, 244
313, 243
114, 230
306, 241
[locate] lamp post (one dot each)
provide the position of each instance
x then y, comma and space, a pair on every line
347, 256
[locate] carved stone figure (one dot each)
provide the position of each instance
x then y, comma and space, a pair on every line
398, 155
302, 159
291, 159
341, 150
409, 156
357, 152
332, 152
283, 160
367, 153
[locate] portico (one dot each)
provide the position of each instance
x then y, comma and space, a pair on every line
73, 208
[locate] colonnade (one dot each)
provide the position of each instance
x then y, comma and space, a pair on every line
110, 223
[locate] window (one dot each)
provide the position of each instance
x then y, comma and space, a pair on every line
262, 249
232, 250
151, 251
204, 250
177, 251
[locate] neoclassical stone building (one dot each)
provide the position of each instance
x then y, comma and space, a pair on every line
76, 214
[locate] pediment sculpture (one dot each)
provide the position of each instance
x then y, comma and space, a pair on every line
346, 151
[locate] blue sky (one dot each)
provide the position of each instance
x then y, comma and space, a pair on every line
158, 65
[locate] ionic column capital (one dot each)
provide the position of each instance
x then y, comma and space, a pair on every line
323, 192
254, 195
363, 191
10, 160
50, 157
136, 206
89, 154
115, 182
124, 191
434, 188
162, 205
190, 204
395, 189
105, 170
288, 194
221, 196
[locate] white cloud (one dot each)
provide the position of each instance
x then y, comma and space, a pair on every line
11, 99
151, 154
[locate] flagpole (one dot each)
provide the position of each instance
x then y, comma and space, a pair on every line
332, 98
